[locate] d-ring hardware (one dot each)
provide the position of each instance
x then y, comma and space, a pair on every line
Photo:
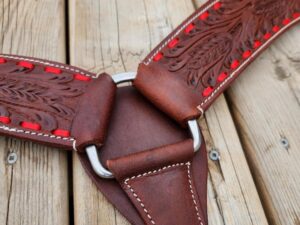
91, 150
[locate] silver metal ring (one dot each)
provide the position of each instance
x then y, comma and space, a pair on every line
91, 151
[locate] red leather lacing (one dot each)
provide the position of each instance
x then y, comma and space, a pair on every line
30, 125
5, 119
54, 70
61, 133
2, 60
204, 16
189, 28
173, 43
25, 64
81, 77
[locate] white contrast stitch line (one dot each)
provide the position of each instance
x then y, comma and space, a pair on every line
192, 193
139, 200
179, 31
49, 64
247, 60
188, 164
16, 130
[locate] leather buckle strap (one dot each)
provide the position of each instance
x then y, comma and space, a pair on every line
91, 150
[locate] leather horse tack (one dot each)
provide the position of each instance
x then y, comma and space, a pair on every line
141, 131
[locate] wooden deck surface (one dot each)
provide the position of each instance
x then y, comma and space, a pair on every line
255, 182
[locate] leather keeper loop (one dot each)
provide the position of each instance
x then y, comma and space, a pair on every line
93, 115
152, 159
166, 91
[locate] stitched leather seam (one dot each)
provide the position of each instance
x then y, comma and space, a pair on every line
139, 200
188, 164
49, 64
246, 61
179, 31
192, 193
16, 130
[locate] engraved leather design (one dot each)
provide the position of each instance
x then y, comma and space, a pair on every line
36, 96
225, 37
50, 102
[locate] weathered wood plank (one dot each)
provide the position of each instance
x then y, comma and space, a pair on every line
34, 190
114, 36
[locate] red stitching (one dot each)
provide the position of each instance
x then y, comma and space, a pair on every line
30, 125
54, 70
173, 43
207, 91
267, 36
296, 15
222, 77
5, 119
26, 64
2, 60
257, 44
286, 21
276, 28
204, 16
189, 28
158, 57
61, 133
217, 6
235, 63
81, 77
247, 54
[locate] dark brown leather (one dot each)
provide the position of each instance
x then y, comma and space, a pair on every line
53, 97
136, 126
209, 50
160, 184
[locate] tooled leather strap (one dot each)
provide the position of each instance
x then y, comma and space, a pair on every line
203, 56
182, 77
53, 103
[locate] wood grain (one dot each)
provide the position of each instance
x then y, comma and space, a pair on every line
34, 190
265, 103
123, 32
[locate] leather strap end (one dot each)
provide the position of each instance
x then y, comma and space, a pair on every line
160, 184
93, 115
168, 93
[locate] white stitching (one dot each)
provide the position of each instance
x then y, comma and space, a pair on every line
188, 164
16, 130
139, 200
49, 64
178, 32
193, 195
246, 61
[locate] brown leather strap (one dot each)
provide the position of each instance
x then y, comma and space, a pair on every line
203, 56
137, 126
182, 77
160, 184
53, 103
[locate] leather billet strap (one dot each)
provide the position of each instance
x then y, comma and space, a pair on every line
203, 56
53, 103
